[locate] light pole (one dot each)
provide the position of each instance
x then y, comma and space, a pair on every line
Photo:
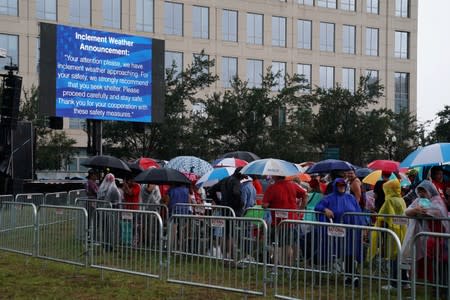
392, 143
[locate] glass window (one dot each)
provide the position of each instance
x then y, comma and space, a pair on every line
80, 12
326, 3
112, 13
200, 22
304, 34
348, 5
173, 59
348, 79
401, 45
77, 123
306, 2
173, 18
372, 76
373, 7
144, 15
279, 68
372, 41
326, 77
229, 70
402, 8
348, 39
8, 7
255, 29
305, 71
38, 51
254, 72
279, 31
11, 44
46, 9
229, 25
401, 92
326, 37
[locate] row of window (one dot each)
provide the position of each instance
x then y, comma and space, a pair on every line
255, 71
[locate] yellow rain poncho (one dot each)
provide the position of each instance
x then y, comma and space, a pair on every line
393, 205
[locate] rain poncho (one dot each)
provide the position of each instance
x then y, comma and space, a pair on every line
393, 205
108, 190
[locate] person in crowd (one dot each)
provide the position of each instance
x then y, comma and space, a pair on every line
410, 191
334, 206
150, 194
230, 190
431, 252
355, 186
248, 193
108, 190
91, 184
178, 193
131, 192
393, 205
378, 190
437, 178
333, 176
257, 184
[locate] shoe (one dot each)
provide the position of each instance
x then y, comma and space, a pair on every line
388, 287
349, 281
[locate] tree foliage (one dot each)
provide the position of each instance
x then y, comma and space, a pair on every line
441, 131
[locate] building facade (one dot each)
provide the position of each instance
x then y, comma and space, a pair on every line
328, 41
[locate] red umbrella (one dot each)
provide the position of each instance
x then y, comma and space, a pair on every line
384, 165
229, 162
146, 163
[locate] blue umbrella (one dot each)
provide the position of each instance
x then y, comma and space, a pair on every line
328, 165
270, 167
431, 155
363, 172
189, 164
214, 176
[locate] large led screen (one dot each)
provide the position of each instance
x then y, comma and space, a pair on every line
100, 75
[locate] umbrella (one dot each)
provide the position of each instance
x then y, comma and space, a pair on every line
431, 155
270, 167
106, 161
214, 176
142, 164
244, 155
229, 162
363, 172
373, 177
328, 165
189, 164
302, 176
384, 165
161, 176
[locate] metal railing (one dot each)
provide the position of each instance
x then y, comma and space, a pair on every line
35, 198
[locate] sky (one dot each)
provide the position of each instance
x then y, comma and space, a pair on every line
433, 58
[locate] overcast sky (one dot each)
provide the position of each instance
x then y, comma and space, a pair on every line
433, 65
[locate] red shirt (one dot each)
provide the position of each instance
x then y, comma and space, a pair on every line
133, 197
258, 186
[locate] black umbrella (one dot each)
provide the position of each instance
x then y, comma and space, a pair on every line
244, 155
106, 161
328, 165
161, 176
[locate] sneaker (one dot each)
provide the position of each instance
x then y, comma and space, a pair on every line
351, 281
388, 287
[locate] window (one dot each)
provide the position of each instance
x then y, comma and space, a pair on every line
304, 34
254, 72
326, 3
9, 8
77, 123
327, 37
11, 44
401, 92
306, 2
38, 51
279, 31
305, 71
348, 39
348, 79
372, 41
279, 69
326, 77
144, 15
401, 45
46, 9
255, 29
173, 18
373, 7
80, 12
229, 70
402, 8
372, 76
200, 22
173, 59
229, 25
112, 13
348, 5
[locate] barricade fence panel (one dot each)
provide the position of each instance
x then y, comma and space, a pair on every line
90, 204
226, 253
17, 227
203, 210
429, 264
128, 241
161, 209
6, 198
335, 261
58, 198
35, 198
62, 234
74, 194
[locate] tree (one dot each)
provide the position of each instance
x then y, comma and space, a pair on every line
441, 131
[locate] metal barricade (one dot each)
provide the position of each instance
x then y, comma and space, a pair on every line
58, 198
129, 241
161, 209
332, 263
430, 266
17, 227
35, 198
58, 236
6, 198
74, 194
90, 204
203, 210
225, 253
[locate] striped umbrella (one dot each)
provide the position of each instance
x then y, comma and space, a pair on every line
431, 155
189, 164
214, 176
229, 162
270, 167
